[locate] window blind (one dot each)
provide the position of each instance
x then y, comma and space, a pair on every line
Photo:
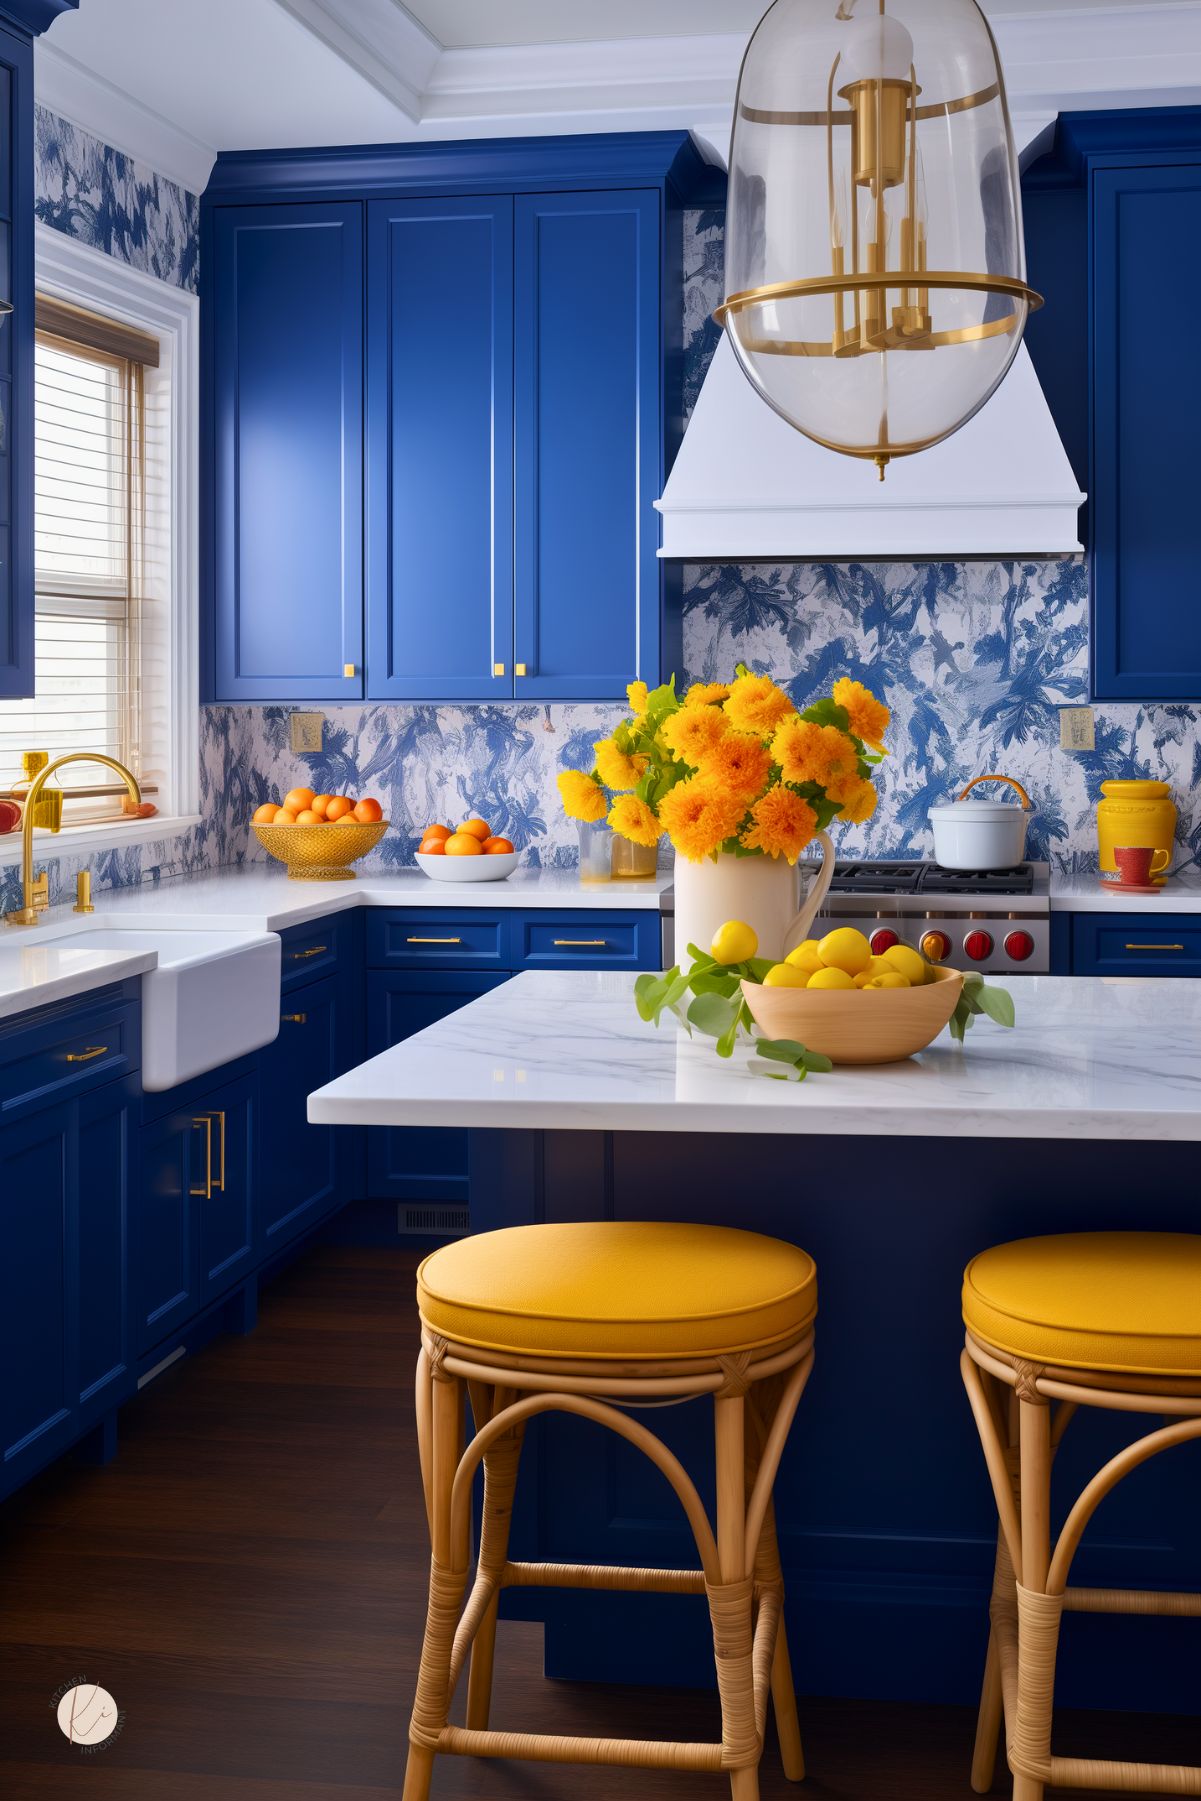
88, 550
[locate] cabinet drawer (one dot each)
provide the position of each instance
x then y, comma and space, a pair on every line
1136, 944
323, 947
67, 1051
586, 941
436, 940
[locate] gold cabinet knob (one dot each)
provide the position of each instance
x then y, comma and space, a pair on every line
519, 669
498, 669
348, 669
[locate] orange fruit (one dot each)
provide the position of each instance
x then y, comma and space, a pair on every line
344, 819
284, 817
477, 829
338, 807
437, 831
298, 799
463, 844
497, 847
308, 817
320, 803
265, 814
433, 847
368, 811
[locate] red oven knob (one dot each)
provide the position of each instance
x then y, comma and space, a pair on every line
882, 941
936, 947
977, 946
1019, 946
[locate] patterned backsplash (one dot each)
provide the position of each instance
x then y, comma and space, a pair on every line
973, 658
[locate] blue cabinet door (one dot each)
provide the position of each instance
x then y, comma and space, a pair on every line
165, 1273
588, 423
1146, 242
106, 1172
440, 449
305, 1169
16, 368
415, 1163
225, 1183
285, 349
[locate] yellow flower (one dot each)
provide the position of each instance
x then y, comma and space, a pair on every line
706, 694
692, 733
813, 753
869, 717
755, 704
740, 763
698, 817
637, 693
616, 770
856, 799
782, 824
633, 819
582, 797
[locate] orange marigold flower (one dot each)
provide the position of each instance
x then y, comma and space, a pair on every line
698, 816
756, 704
581, 796
706, 694
616, 770
814, 753
856, 799
692, 733
782, 823
869, 717
633, 819
740, 763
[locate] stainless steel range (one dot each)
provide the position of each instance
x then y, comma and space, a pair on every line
996, 920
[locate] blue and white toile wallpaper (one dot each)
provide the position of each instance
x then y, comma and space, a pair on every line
974, 658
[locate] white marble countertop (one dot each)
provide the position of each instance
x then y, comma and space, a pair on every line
1085, 894
1089, 1058
34, 974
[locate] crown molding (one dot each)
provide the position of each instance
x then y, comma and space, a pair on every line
34, 16
115, 117
380, 40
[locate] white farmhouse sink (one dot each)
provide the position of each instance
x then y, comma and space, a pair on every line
213, 996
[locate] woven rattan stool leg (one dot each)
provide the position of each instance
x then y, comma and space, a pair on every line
500, 1481
992, 1711
1038, 1614
731, 1604
769, 1574
447, 1584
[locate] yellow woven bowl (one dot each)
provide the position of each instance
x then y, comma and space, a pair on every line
877, 1025
320, 853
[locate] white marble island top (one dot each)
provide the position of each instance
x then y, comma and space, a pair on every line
1089, 1058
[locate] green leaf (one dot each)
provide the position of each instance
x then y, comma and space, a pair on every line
828, 712
759, 966
973, 979
997, 1003
781, 1050
715, 981
649, 994
817, 1064
706, 958
794, 1072
713, 1014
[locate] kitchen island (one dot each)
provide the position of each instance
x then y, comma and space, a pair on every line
1087, 1115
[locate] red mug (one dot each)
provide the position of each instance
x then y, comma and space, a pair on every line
1137, 863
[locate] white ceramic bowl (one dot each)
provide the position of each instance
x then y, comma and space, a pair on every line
492, 867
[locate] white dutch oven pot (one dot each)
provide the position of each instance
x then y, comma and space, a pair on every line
981, 834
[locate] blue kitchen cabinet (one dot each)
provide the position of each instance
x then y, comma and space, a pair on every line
439, 528
16, 367
589, 436
307, 1171
1136, 944
282, 327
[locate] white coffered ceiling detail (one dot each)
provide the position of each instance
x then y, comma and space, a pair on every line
176, 81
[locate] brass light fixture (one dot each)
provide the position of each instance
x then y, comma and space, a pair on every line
875, 271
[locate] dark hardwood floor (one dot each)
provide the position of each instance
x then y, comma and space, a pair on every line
248, 1580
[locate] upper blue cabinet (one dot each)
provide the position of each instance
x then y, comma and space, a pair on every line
492, 442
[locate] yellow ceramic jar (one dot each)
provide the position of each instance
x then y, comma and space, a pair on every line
1136, 813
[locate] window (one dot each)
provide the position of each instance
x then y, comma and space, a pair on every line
114, 544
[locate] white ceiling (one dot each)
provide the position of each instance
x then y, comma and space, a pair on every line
173, 82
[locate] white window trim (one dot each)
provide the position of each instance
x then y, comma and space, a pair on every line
75, 272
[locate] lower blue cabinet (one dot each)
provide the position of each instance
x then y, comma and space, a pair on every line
1136, 944
306, 1170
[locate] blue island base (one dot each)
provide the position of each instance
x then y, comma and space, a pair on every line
885, 1515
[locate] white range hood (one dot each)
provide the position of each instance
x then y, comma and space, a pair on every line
747, 485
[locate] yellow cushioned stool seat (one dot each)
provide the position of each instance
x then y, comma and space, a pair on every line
618, 1289
1126, 1302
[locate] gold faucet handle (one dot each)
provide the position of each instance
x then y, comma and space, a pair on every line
48, 809
33, 762
83, 892
39, 891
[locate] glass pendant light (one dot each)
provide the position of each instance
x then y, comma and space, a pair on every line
875, 270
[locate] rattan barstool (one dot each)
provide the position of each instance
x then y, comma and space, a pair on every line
1110, 1320
595, 1294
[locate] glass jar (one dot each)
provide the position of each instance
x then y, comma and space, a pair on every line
636, 862
596, 851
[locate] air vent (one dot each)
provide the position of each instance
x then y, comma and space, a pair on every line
434, 1221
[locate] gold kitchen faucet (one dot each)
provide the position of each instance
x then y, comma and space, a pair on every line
35, 890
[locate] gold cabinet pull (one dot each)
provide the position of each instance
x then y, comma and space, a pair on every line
519, 669
579, 943
433, 941
86, 1056
348, 670
498, 669
318, 950
213, 1184
1155, 947
293, 1019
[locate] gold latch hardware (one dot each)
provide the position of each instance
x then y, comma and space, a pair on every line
498, 669
87, 1056
579, 943
293, 1019
519, 669
1155, 947
348, 669
317, 950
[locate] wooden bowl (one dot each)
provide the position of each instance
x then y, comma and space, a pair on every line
872, 1025
320, 853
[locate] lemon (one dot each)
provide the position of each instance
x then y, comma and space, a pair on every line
863, 978
786, 975
907, 962
806, 956
893, 980
878, 966
832, 976
734, 942
845, 949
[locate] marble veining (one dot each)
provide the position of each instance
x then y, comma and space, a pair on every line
568, 1051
